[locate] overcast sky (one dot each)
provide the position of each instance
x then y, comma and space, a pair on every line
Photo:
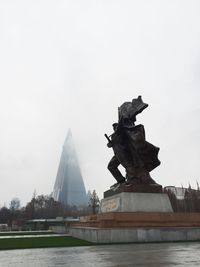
70, 64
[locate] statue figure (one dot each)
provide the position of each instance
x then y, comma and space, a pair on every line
130, 147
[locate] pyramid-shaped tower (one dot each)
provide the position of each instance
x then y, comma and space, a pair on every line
69, 187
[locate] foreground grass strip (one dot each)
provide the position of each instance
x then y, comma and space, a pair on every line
42, 242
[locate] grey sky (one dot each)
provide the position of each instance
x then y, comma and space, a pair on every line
70, 64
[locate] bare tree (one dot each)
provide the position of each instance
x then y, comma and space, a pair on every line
15, 204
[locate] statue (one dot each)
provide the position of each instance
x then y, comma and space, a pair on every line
130, 147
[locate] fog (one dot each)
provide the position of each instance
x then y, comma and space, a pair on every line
70, 64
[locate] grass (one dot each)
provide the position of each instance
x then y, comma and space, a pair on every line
41, 242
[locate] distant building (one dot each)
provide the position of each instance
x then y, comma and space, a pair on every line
69, 187
180, 192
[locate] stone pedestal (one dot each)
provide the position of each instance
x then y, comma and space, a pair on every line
137, 213
136, 202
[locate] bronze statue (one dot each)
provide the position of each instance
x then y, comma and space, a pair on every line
130, 147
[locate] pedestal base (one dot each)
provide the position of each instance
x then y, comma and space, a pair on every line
137, 188
136, 202
137, 217
136, 235
125, 227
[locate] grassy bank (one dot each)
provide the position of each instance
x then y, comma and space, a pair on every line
41, 242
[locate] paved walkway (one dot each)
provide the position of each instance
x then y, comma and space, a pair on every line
151, 255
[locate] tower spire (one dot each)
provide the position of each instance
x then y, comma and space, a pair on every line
69, 187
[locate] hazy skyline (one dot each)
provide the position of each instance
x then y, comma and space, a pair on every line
70, 64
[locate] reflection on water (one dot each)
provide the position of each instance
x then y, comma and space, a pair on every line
155, 255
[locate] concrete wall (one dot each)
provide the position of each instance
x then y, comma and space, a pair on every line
131, 235
60, 229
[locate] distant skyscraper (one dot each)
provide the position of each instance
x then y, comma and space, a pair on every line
69, 187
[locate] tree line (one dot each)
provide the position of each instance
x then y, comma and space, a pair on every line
45, 207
